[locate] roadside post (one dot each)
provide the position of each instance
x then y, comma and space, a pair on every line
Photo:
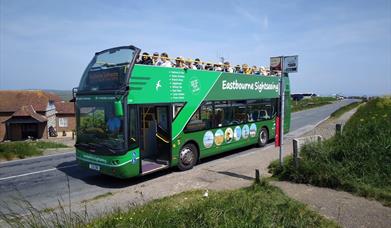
285, 65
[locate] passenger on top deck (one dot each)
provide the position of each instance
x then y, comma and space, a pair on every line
217, 66
179, 62
246, 69
255, 70
189, 64
198, 64
227, 67
237, 69
262, 71
208, 66
145, 59
164, 60
155, 59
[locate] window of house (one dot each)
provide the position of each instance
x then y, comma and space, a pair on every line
63, 122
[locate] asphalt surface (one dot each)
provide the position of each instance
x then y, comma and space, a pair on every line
44, 181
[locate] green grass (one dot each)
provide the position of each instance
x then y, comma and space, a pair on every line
12, 150
358, 161
311, 103
260, 205
339, 112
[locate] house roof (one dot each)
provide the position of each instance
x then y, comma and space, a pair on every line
65, 107
27, 111
12, 100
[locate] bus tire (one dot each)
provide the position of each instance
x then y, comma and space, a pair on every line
263, 137
188, 157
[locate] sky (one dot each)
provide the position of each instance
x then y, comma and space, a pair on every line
344, 47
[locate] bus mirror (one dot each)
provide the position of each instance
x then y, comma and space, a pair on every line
119, 111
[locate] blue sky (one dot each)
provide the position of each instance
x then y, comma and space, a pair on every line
343, 46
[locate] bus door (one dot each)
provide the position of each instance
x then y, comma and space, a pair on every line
155, 137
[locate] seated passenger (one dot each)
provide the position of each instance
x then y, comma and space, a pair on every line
262, 71
198, 64
208, 66
217, 67
145, 59
237, 69
255, 70
165, 62
179, 62
246, 69
155, 59
189, 64
227, 67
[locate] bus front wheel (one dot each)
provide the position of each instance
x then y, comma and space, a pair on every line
187, 157
263, 137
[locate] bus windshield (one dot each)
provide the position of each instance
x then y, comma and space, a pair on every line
108, 70
98, 127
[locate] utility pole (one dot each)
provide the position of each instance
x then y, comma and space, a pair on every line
282, 110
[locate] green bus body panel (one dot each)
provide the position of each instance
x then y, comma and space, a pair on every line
123, 166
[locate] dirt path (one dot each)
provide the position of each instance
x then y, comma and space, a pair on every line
344, 208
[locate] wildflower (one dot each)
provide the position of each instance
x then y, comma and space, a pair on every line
361, 120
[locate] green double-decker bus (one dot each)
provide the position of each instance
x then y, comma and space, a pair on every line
137, 119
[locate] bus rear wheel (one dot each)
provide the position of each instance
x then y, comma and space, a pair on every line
263, 137
188, 157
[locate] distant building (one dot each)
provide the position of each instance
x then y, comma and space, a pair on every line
65, 117
30, 113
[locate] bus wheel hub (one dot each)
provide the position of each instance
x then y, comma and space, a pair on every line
186, 156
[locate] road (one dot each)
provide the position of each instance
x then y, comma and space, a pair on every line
43, 181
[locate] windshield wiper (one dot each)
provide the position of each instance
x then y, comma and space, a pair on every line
85, 145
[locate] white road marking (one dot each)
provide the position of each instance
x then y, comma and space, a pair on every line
36, 172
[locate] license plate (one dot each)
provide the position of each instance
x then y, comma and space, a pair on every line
94, 167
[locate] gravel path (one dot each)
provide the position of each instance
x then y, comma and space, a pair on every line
346, 209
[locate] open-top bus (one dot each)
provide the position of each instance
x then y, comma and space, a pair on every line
137, 119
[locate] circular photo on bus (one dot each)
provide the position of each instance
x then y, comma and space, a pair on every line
229, 134
208, 139
245, 131
219, 137
253, 130
237, 133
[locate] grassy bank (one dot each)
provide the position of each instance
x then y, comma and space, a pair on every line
344, 109
358, 161
11, 150
311, 103
259, 205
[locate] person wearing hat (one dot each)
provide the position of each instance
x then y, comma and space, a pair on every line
254, 70
208, 66
227, 67
189, 64
198, 64
179, 62
262, 71
145, 59
237, 69
155, 59
246, 69
217, 67
165, 62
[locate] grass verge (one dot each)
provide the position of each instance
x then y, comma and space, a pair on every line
12, 150
260, 205
339, 112
357, 161
311, 103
